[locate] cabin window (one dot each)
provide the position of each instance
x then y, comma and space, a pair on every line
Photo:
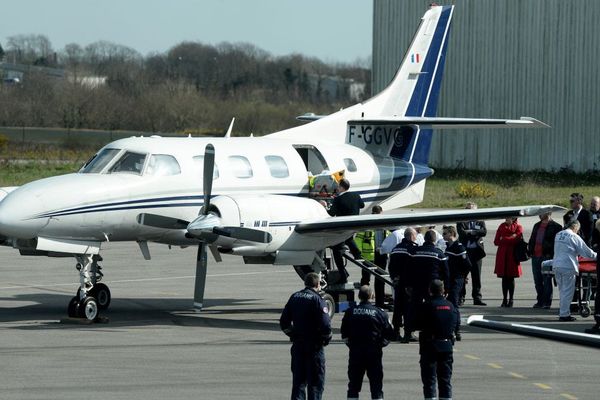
129, 163
163, 165
350, 165
277, 166
99, 161
240, 167
199, 167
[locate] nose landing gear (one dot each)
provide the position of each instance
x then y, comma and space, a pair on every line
91, 296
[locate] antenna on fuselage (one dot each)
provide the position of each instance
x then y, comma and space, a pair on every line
228, 134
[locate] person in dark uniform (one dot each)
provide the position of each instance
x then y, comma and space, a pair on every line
579, 213
459, 266
471, 234
400, 265
428, 263
346, 203
305, 319
366, 330
437, 321
595, 330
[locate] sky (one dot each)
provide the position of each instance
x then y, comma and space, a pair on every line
333, 30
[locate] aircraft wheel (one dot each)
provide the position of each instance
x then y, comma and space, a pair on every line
102, 295
330, 304
89, 308
73, 308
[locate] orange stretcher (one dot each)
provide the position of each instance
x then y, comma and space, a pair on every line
584, 287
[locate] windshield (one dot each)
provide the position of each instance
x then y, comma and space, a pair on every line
129, 163
98, 162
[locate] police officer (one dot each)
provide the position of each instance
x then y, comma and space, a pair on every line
366, 330
305, 319
437, 321
429, 263
400, 262
459, 265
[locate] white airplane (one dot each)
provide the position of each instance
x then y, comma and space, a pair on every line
249, 196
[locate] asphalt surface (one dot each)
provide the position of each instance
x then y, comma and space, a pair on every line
155, 347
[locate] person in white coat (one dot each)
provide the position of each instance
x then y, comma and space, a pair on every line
568, 245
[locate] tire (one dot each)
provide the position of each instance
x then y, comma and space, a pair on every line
330, 304
585, 311
73, 307
89, 309
102, 295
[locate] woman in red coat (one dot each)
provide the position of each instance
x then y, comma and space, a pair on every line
509, 233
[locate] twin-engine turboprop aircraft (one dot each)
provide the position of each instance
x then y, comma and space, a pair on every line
249, 196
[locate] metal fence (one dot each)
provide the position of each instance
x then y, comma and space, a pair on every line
506, 59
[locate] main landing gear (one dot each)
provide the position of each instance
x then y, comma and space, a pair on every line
91, 296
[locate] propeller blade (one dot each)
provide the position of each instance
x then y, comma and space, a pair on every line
160, 221
215, 252
209, 169
251, 235
200, 282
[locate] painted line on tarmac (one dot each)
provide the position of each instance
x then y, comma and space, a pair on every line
518, 376
543, 386
568, 396
495, 366
515, 375
149, 279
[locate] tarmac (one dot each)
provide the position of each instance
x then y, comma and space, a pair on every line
155, 347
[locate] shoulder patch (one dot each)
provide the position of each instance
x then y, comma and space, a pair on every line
326, 310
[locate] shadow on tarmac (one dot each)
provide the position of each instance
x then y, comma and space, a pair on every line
49, 309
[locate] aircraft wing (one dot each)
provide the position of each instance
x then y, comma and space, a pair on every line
452, 123
358, 223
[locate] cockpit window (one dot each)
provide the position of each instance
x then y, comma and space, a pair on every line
129, 163
163, 165
199, 167
98, 162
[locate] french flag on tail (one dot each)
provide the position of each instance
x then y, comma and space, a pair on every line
415, 58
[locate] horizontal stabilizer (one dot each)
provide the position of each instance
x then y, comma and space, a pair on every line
452, 123
309, 117
358, 223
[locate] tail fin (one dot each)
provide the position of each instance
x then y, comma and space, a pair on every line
415, 89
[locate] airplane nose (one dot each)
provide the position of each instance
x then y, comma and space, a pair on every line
18, 217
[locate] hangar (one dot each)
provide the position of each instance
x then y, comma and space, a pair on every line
505, 59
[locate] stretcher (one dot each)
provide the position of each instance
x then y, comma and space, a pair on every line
584, 286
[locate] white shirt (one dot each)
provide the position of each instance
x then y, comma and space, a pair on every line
392, 241
567, 246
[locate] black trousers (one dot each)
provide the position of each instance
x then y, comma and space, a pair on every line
457, 284
338, 250
365, 359
436, 374
308, 371
381, 261
475, 280
401, 304
597, 298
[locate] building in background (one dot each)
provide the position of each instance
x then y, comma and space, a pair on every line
508, 59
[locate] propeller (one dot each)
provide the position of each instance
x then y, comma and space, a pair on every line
205, 217
206, 228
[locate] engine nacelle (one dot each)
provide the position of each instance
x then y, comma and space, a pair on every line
276, 214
